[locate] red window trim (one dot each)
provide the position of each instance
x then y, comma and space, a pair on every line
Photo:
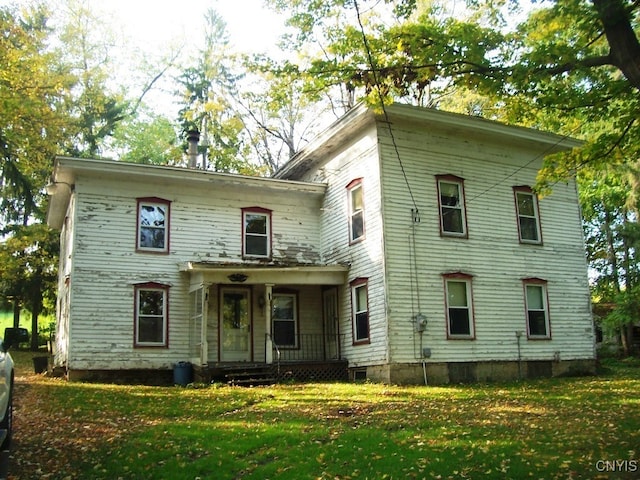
453, 179
357, 282
269, 214
527, 189
356, 182
467, 277
167, 227
150, 286
537, 281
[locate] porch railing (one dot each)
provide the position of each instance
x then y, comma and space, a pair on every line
309, 347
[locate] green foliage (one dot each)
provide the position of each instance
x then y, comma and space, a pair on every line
94, 109
31, 87
151, 139
551, 429
625, 312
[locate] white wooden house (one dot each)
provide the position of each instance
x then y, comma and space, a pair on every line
404, 248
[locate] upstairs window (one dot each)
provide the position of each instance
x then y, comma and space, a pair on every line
360, 311
537, 308
459, 306
528, 215
153, 225
453, 219
151, 315
256, 232
356, 210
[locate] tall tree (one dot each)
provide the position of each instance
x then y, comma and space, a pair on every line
280, 112
32, 88
95, 108
207, 91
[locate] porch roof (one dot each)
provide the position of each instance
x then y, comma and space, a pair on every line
249, 274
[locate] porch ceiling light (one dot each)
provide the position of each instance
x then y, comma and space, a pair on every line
237, 277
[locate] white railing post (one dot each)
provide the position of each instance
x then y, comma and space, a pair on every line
268, 354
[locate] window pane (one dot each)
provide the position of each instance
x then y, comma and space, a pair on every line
459, 321
151, 302
152, 215
525, 204
256, 245
362, 326
535, 300
284, 333
151, 237
361, 298
255, 223
356, 199
150, 329
537, 323
283, 307
452, 220
449, 194
528, 228
457, 294
357, 226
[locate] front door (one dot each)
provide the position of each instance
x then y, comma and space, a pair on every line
330, 314
235, 325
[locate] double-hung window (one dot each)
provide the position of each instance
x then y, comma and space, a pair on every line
153, 225
453, 219
536, 304
256, 232
360, 310
151, 315
459, 306
528, 215
356, 210
284, 315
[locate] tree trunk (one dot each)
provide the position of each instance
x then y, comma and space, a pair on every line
625, 339
36, 308
16, 313
624, 48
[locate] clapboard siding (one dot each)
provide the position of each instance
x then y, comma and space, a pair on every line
491, 253
357, 158
205, 224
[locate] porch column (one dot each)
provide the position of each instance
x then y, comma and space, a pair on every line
204, 344
268, 354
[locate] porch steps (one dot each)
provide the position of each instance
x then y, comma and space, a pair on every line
249, 375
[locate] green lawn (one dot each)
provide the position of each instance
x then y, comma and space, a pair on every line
45, 323
543, 429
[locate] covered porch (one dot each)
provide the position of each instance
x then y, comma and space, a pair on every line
284, 318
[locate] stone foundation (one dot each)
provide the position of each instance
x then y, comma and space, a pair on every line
123, 377
471, 372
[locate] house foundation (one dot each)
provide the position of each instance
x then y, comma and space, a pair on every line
443, 373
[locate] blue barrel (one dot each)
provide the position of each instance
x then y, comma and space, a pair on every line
182, 373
